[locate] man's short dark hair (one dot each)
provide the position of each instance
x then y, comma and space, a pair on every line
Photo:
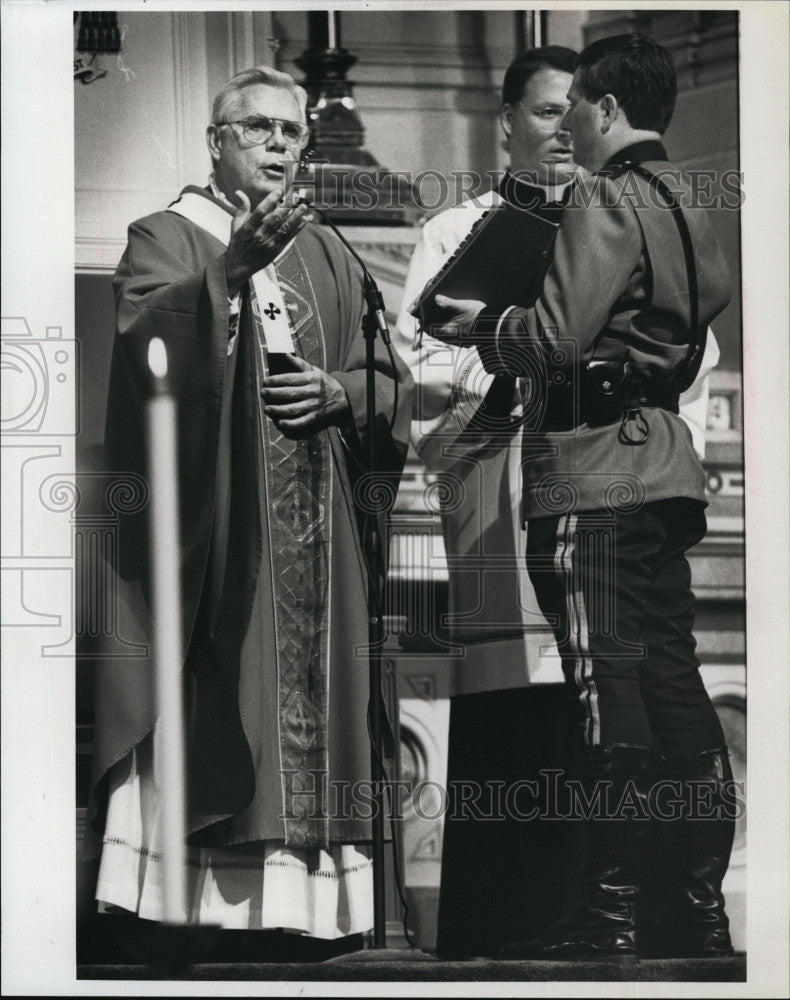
638, 72
522, 69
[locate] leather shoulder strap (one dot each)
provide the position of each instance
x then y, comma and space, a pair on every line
689, 367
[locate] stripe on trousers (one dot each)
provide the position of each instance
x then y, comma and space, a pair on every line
578, 629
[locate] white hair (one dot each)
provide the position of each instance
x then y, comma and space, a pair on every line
251, 77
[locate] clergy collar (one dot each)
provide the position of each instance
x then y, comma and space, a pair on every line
212, 186
637, 152
535, 197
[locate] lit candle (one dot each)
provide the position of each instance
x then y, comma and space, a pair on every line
169, 757
332, 15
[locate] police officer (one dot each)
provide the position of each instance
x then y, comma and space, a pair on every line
614, 495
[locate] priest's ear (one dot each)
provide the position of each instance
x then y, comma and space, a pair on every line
213, 142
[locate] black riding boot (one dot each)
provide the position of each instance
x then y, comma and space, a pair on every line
691, 921
602, 927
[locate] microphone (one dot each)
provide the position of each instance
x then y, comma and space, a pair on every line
376, 303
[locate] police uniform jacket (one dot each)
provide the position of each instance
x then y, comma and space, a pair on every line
617, 287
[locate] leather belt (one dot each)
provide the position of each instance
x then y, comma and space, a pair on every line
600, 394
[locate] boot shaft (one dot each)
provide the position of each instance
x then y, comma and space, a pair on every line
692, 921
617, 777
704, 840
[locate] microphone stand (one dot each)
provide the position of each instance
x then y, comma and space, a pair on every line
373, 324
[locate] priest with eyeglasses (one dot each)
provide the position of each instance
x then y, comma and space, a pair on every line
260, 311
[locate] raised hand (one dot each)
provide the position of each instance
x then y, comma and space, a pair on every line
258, 235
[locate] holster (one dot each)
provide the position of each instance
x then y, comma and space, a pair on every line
603, 392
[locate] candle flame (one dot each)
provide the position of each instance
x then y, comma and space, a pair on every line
157, 357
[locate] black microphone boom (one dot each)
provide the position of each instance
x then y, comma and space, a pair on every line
373, 298
373, 295
374, 322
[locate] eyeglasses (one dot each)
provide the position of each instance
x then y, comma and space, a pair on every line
260, 129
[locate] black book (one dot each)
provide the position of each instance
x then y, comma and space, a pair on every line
502, 262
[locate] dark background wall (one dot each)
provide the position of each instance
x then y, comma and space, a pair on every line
95, 324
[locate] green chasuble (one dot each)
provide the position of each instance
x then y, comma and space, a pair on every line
274, 591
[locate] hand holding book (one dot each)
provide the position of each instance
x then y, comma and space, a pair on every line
455, 318
501, 263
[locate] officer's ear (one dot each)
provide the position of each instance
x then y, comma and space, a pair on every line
608, 108
506, 119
